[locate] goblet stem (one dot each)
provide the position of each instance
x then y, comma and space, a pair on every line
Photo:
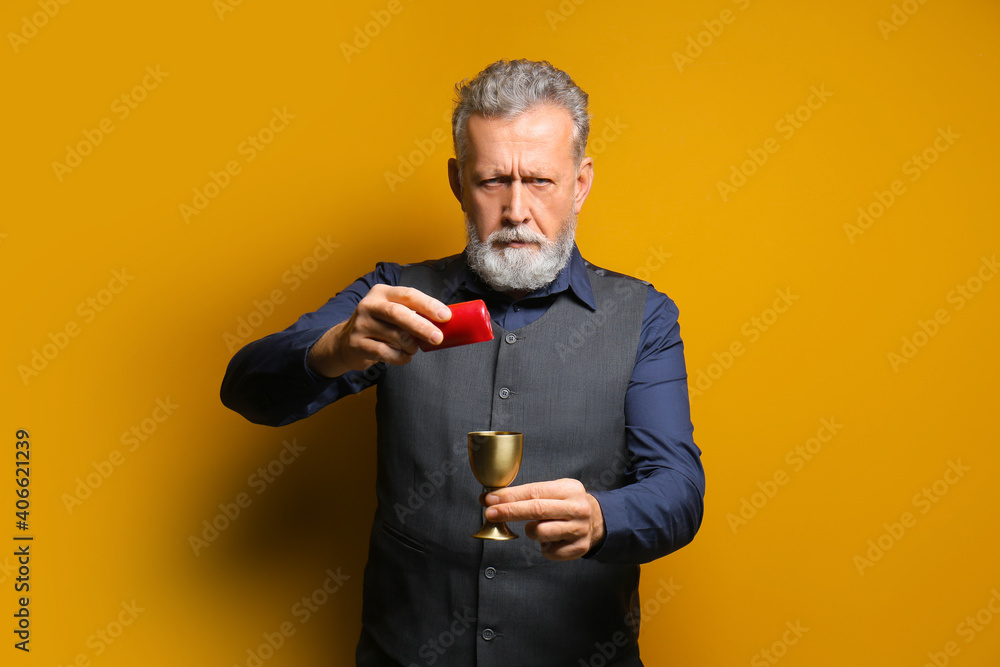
493, 530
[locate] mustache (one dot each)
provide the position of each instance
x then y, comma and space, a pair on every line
517, 234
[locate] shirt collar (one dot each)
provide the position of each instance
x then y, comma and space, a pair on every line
573, 278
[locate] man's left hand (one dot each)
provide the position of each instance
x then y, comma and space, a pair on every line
561, 515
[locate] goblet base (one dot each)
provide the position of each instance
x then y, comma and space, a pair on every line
495, 531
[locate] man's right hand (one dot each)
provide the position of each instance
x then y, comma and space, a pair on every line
384, 327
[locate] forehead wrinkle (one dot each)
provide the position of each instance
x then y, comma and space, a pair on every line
531, 170
531, 164
543, 132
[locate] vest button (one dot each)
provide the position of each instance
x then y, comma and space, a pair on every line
491, 572
510, 338
488, 634
504, 392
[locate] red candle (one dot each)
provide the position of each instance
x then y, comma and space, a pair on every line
469, 323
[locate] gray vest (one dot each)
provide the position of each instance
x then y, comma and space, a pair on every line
435, 595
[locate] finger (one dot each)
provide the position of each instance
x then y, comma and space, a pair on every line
400, 317
557, 531
375, 351
392, 336
562, 551
559, 550
419, 302
539, 509
558, 489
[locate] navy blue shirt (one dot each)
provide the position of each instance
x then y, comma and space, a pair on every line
661, 507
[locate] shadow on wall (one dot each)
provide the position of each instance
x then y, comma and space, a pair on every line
306, 533
310, 496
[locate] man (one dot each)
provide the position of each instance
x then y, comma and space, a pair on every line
588, 364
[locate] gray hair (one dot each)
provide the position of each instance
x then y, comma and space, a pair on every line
508, 88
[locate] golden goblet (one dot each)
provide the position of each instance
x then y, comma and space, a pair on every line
495, 457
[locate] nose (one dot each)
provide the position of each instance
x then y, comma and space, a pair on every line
516, 209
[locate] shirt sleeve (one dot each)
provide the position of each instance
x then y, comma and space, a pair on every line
660, 508
268, 380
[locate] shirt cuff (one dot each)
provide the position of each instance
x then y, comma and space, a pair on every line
306, 344
615, 525
350, 382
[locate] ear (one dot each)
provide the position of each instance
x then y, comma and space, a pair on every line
455, 181
584, 180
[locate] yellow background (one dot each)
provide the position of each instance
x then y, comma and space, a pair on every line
671, 130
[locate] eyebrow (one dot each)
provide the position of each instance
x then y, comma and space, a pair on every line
500, 173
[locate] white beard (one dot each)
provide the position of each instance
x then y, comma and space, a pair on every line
519, 269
